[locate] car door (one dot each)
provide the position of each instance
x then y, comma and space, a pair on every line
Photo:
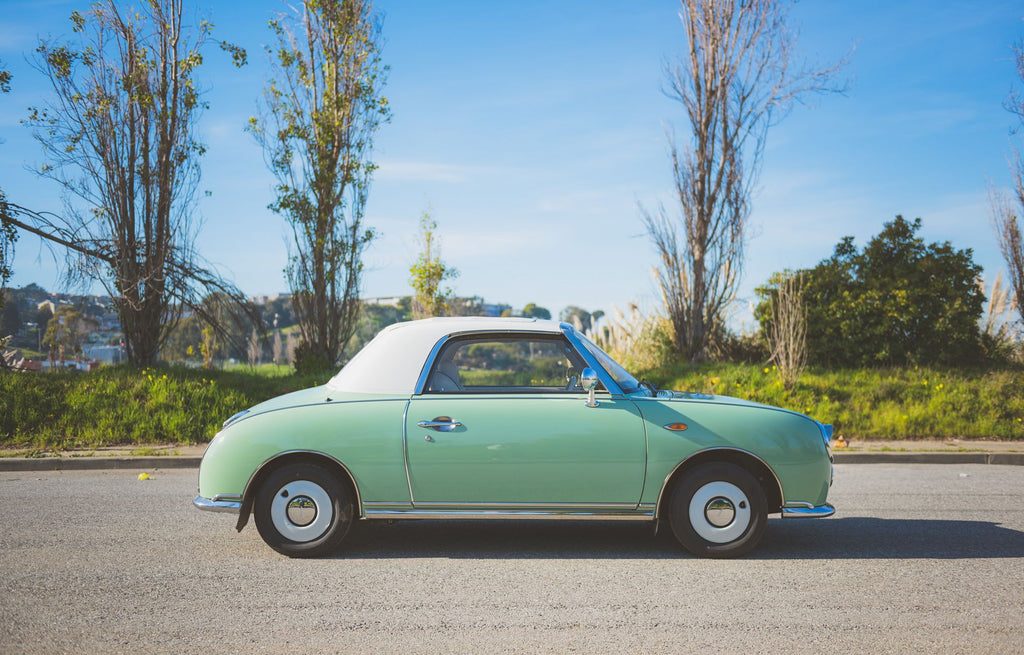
503, 421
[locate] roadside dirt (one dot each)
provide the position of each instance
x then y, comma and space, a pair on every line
930, 446
138, 450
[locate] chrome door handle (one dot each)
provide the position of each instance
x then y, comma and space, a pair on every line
441, 424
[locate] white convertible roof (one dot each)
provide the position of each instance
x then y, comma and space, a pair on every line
391, 363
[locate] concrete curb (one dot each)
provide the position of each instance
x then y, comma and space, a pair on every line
154, 463
1014, 459
96, 463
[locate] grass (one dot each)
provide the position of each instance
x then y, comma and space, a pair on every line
265, 370
123, 406
906, 403
126, 406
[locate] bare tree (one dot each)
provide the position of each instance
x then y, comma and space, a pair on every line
736, 80
322, 110
1005, 213
255, 349
278, 347
428, 272
787, 337
1008, 233
120, 138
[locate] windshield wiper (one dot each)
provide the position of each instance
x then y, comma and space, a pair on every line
649, 385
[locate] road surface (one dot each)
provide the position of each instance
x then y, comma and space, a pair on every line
926, 558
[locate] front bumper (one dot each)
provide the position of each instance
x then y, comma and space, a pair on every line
227, 504
808, 511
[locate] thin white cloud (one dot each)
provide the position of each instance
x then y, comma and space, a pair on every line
584, 203
465, 245
420, 171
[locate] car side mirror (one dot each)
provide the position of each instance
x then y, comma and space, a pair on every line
589, 381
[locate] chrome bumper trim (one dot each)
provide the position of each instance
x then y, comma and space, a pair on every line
216, 505
808, 512
507, 514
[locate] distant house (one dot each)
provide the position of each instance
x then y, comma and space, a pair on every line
387, 301
494, 309
105, 353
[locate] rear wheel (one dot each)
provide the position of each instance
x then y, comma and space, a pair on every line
303, 510
718, 510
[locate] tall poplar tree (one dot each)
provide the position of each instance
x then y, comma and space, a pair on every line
322, 107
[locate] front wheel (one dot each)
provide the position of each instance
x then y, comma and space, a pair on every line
718, 510
303, 510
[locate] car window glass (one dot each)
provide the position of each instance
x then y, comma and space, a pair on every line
506, 365
622, 377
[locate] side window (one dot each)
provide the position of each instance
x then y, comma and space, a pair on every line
504, 364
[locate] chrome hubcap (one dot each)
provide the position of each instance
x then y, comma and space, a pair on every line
719, 512
301, 510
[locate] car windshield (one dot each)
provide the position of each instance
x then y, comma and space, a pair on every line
622, 377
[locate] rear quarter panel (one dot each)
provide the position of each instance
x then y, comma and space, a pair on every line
364, 435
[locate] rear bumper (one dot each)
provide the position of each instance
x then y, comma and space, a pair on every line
808, 511
227, 504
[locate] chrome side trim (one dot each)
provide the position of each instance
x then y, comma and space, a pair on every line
225, 506
664, 484
807, 511
565, 514
233, 418
276, 456
531, 506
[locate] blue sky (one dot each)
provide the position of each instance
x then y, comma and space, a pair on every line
533, 129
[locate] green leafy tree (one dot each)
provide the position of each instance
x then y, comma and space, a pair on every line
428, 273
183, 344
10, 317
533, 311
322, 109
66, 332
577, 316
898, 301
209, 346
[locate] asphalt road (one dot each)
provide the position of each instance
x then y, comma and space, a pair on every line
919, 558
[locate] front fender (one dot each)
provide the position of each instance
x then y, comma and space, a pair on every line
789, 444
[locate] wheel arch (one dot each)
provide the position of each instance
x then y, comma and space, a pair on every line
264, 470
749, 461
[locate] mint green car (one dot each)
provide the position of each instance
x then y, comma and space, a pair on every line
499, 418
